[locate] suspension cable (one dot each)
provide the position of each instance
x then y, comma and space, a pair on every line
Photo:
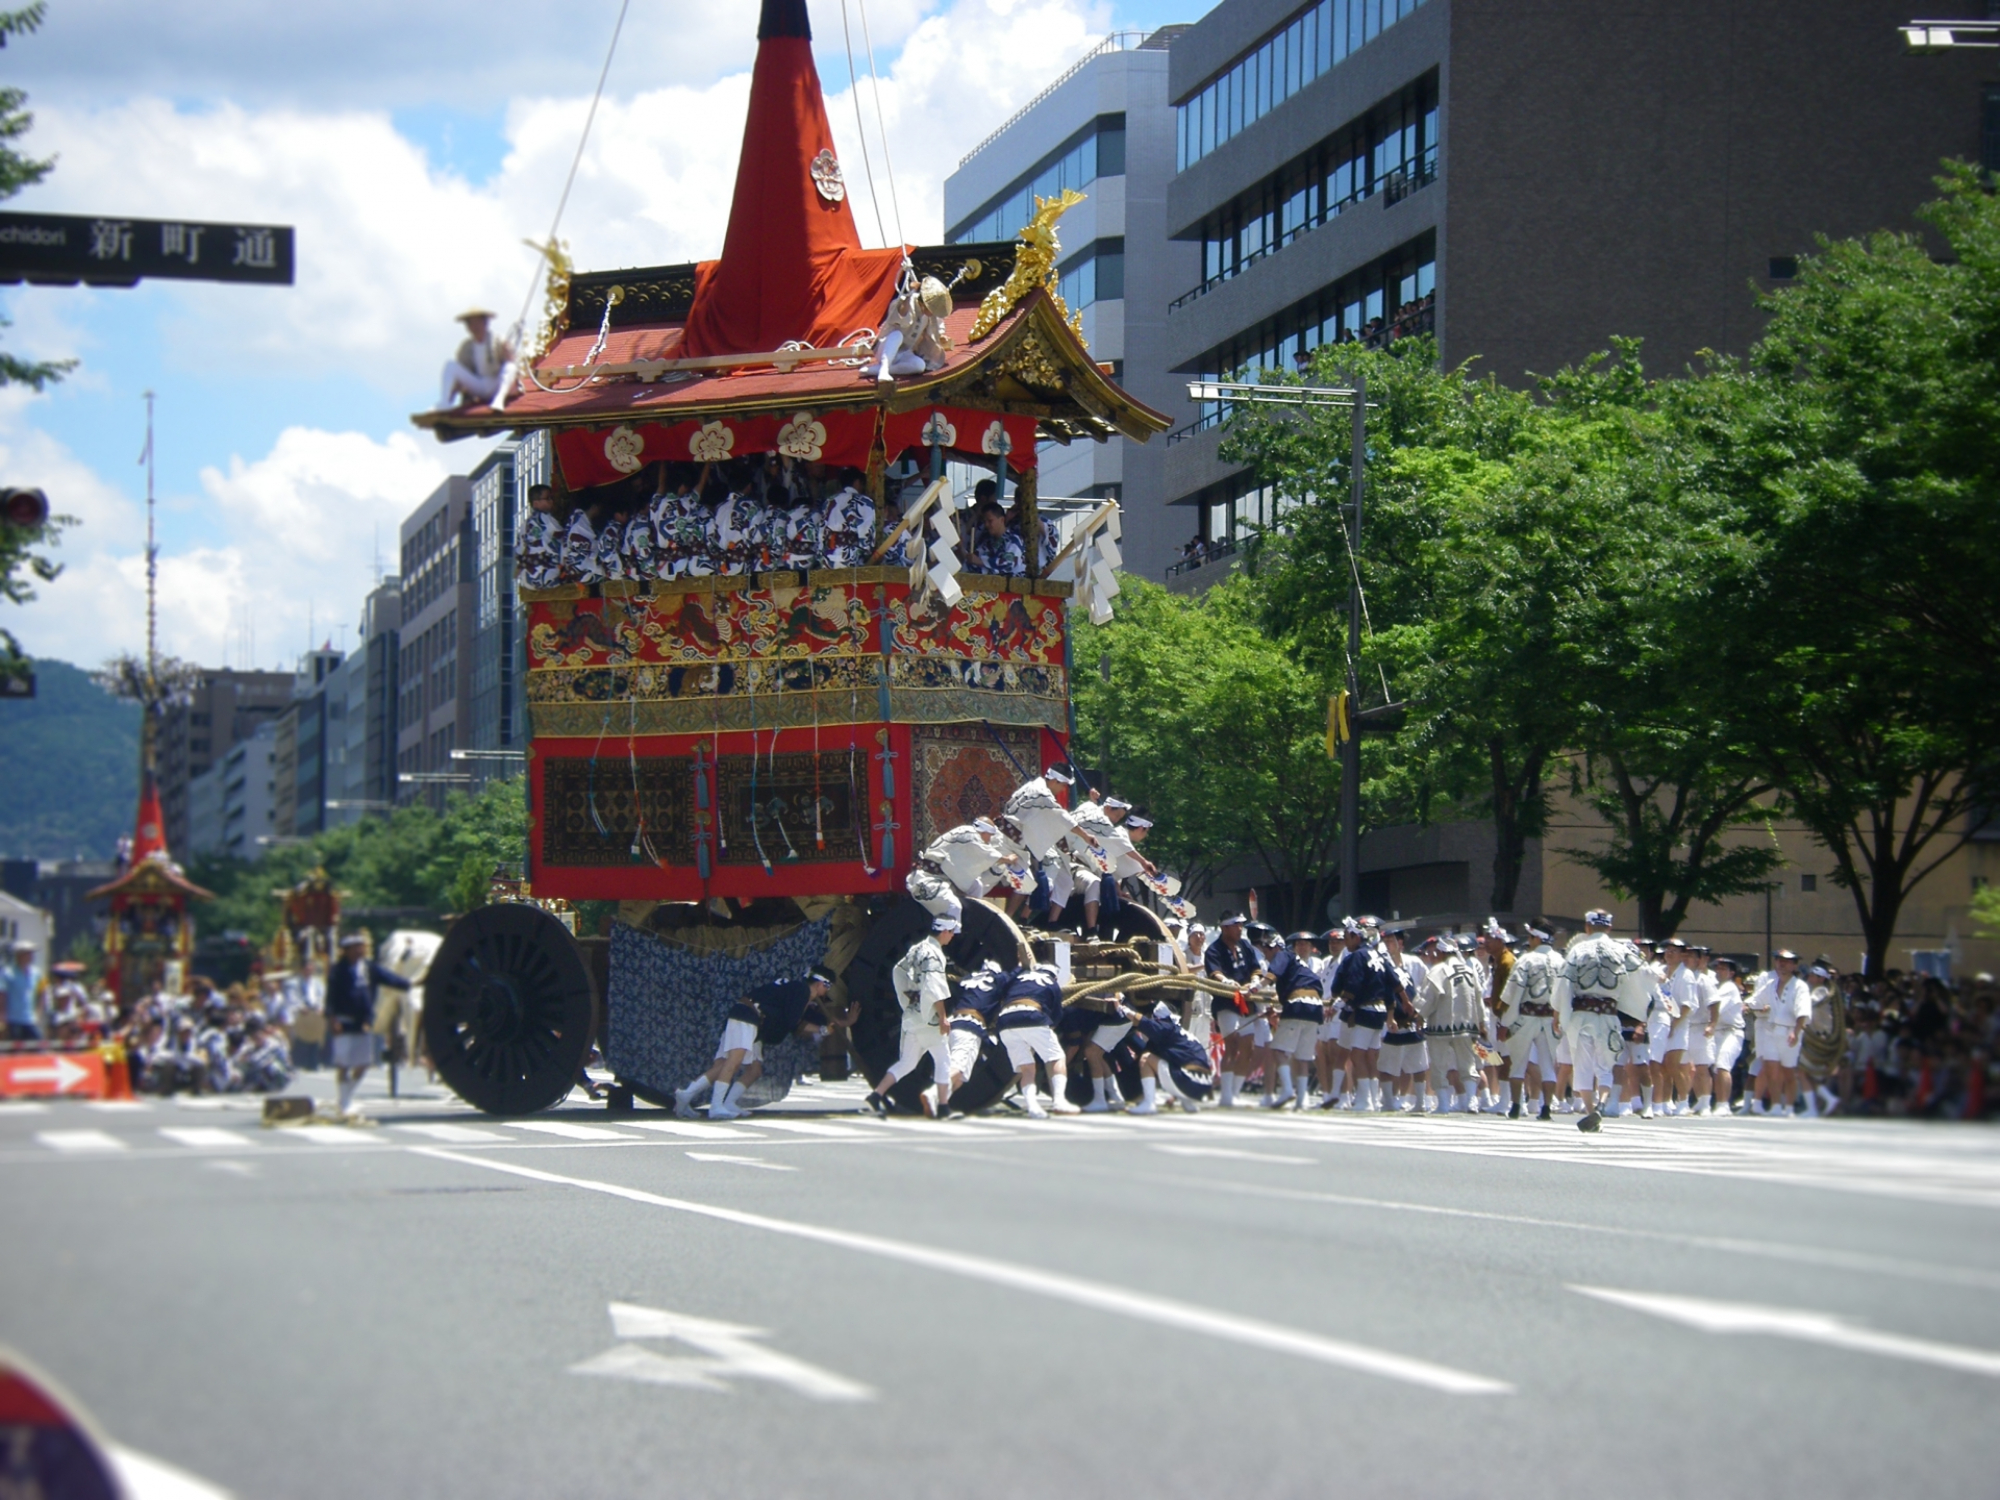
881, 124
854, 93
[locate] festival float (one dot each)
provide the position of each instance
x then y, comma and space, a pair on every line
749, 762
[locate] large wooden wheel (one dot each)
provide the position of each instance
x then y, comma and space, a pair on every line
509, 1009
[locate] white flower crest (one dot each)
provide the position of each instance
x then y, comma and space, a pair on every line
712, 443
938, 432
995, 440
622, 449
802, 437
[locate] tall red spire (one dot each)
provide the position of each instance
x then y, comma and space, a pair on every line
150, 836
792, 265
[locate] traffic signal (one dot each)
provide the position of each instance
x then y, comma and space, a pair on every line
25, 508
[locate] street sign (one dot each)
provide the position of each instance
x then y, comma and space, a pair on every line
64, 249
45, 1449
72, 1074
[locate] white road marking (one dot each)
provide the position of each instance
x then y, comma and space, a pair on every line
856, 1131
76, 1141
119, 1106
694, 1129
1101, 1296
457, 1135
205, 1137
234, 1166
571, 1132
331, 1135
1797, 1323
1230, 1153
739, 1161
730, 1350
21, 1107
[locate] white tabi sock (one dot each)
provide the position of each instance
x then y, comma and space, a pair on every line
735, 1095
1646, 1094
1148, 1089
347, 1088
1284, 1080
1339, 1077
1097, 1091
1228, 1089
694, 1090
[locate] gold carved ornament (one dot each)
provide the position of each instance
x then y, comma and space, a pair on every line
555, 299
1034, 265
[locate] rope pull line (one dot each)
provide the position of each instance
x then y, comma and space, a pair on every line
881, 122
569, 182
861, 130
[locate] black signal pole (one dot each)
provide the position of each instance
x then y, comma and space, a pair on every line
1350, 748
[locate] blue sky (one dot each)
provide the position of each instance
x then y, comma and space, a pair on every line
413, 147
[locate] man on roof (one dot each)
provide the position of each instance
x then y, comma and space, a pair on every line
483, 370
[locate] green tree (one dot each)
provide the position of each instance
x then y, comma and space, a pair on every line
1220, 731
1863, 464
21, 564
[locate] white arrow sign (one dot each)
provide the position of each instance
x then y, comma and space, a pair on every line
59, 1070
1797, 1323
728, 1352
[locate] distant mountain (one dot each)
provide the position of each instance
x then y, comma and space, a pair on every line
69, 768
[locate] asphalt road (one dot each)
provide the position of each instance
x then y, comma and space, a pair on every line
588, 1305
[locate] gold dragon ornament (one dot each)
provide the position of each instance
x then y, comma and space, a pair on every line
555, 299
1034, 265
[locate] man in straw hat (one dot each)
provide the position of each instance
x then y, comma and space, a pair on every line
483, 370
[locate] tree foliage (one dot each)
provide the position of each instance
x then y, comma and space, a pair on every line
413, 858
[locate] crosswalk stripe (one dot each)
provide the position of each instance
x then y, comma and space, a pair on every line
80, 1141
693, 1129
464, 1135
855, 1131
206, 1136
739, 1161
571, 1132
331, 1135
118, 1106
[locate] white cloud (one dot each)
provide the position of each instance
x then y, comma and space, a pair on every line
304, 523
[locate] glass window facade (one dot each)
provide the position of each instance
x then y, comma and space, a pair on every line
1393, 150
1391, 298
1283, 63
1097, 275
1098, 150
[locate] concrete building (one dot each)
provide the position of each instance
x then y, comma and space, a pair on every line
372, 775
223, 708
61, 889
318, 723
1106, 129
434, 708
204, 800
498, 724
1526, 182
24, 922
249, 789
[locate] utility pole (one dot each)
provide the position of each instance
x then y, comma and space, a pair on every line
1350, 749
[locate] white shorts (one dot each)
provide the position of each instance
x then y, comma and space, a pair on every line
1562, 1050
1228, 1023
1360, 1038
354, 1049
1296, 1038
1659, 1037
1677, 1039
1700, 1048
1530, 1036
1772, 1045
1594, 1046
1026, 1043
1728, 1047
740, 1036
1329, 1031
964, 1048
1405, 1059
1107, 1037
1453, 1054
1257, 1027
935, 894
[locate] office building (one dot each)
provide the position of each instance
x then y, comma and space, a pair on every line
249, 776
318, 716
438, 612
1106, 129
221, 709
1526, 182
498, 723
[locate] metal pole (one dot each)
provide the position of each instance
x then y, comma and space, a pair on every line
1350, 750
